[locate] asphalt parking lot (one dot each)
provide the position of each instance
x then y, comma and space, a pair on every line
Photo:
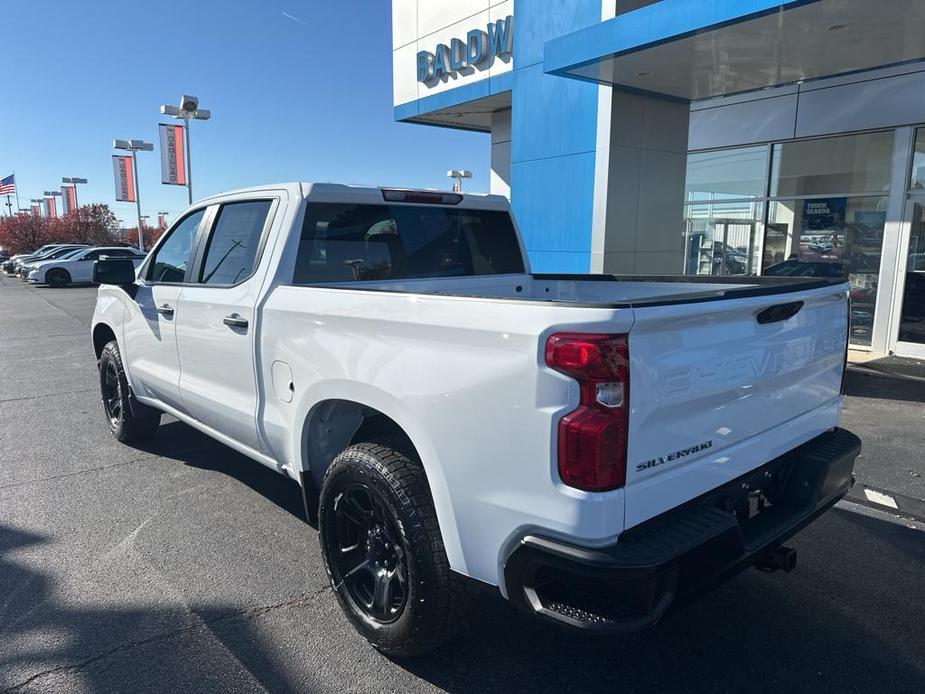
186, 567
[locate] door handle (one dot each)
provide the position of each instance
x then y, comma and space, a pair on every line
235, 321
165, 310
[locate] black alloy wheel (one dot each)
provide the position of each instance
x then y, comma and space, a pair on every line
111, 388
383, 549
370, 558
128, 420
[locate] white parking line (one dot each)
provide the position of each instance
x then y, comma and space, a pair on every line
884, 515
882, 499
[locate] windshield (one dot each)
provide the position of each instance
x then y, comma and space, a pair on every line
73, 253
59, 253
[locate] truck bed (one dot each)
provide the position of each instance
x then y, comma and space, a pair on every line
596, 291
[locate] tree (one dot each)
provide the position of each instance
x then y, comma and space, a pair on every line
152, 234
98, 225
22, 233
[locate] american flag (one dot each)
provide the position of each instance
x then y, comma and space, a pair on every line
8, 185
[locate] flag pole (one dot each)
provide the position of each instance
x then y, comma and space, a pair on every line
17, 192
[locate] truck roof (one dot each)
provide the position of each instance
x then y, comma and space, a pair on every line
344, 192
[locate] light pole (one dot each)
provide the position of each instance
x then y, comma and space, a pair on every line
73, 180
458, 175
135, 146
188, 108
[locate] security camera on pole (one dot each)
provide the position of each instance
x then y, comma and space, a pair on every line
188, 108
126, 175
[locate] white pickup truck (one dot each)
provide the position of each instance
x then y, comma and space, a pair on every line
597, 448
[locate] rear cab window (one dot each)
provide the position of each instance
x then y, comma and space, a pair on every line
361, 242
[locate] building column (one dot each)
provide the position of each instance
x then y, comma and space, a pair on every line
501, 153
639, 185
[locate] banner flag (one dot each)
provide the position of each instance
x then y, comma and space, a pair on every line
36, 210
124, 176
50, 206
173, 165
162, 221
68, 200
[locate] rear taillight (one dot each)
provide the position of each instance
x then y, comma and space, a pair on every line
592, 438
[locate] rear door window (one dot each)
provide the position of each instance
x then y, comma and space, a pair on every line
232, 250
375, 242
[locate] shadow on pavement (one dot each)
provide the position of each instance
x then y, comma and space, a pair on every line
185, 444
870, 381
49, 645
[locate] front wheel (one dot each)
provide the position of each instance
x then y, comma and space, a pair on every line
129, 421
384, 553
58, 278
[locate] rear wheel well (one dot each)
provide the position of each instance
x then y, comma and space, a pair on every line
102, 336
335, 424
332, 426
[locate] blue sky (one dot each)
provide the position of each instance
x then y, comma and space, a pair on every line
298, 91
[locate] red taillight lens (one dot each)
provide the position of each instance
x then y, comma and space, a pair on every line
592, 438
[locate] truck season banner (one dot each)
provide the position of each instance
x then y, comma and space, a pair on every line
51, 206
68, 199
173, 166
124, 175
36, 210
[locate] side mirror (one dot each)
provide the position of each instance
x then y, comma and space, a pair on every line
119, 271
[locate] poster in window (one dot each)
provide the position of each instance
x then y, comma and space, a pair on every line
822, 237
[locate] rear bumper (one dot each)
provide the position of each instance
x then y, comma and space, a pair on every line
672, 558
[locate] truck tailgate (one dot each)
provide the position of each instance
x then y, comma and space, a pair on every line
718, 388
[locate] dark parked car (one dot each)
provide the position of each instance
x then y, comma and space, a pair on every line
810, 268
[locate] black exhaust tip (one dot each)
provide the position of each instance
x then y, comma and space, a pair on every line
777, 558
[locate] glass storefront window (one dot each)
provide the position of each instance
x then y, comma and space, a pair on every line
830, 237
727, 174
912, 311
918, 161
721, 238
849, 164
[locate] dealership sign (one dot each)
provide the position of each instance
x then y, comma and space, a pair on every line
124, 175
479, 48
173, 166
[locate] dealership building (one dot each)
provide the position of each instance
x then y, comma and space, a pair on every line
723, 137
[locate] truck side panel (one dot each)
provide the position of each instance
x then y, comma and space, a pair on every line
465, 379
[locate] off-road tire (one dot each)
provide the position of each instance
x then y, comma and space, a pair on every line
128, 420
437, 599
